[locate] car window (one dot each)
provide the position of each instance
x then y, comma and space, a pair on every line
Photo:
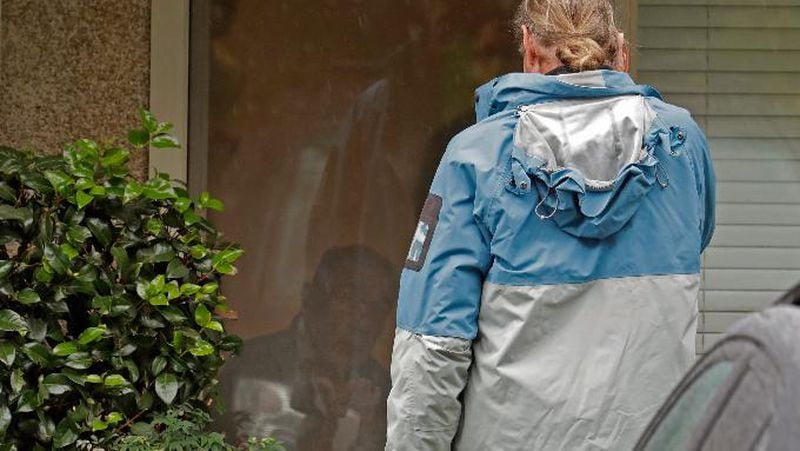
675, 430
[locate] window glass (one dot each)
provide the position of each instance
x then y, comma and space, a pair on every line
675, 430
322, 122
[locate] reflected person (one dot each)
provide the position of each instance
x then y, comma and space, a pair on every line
315, 386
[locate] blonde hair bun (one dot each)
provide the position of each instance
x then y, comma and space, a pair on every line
581, 53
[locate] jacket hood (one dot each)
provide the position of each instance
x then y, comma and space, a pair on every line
584, 143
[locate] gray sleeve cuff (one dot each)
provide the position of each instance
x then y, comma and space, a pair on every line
428, 375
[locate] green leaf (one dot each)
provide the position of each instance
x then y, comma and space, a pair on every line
9, 213
158, 189
82, 199
11, 321
87, 274
189, 289
225, 269
6, 266
182, 204
215, 204
172, 291
7, 193
147, 290
78, 234
167, 387
56, 384
115, 157
17, 380
133, 370
37, 353
43, 274
99, 425
60, 180
229, 255
69, 251
158, 300
149, 121
198, 251
172, 314
35, 180
5, 418
158, 365
191, 218
177, 340
55, 259
66, 348
8, 352
103, 304
159, 252
164, 127
37, 329
176, 269
153, 226
94, 379
165, 141
79, 361
214, 325
210, 288
28, 296
91, 334
115, 380
206, 201
100, 229
132, 190
66, 433
201, 348
75, 376
201, 315
114, 417
88, 150
84, 183
138, 138
28, 401
98, 191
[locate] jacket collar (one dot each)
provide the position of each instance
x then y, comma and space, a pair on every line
513, 90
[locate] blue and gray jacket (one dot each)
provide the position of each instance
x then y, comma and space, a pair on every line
549, 299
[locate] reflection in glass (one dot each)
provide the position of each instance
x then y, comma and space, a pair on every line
326, 120
675, 430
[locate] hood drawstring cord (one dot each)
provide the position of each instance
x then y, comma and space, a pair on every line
541, 202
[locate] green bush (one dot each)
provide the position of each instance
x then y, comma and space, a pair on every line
109, 304
182, 428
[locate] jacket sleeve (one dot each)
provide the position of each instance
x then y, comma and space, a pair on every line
440, 291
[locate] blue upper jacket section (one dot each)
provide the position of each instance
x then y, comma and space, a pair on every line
656, 220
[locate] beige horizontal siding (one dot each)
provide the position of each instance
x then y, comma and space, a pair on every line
735, 64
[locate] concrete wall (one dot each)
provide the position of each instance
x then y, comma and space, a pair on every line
72, 69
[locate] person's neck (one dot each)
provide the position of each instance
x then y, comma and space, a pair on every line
561, 70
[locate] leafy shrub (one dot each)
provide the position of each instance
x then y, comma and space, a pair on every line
109, 303
180, 429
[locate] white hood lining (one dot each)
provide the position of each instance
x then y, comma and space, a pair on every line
598, 137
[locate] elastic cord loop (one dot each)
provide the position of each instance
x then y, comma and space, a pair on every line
541, 202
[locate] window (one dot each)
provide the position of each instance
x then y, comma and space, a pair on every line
675, 430
735, 64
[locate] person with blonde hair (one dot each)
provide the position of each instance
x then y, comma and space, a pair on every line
549, 297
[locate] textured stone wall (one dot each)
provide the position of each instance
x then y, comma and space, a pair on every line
72, 69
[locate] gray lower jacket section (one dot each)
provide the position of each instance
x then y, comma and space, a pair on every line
428, 374
555, 367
